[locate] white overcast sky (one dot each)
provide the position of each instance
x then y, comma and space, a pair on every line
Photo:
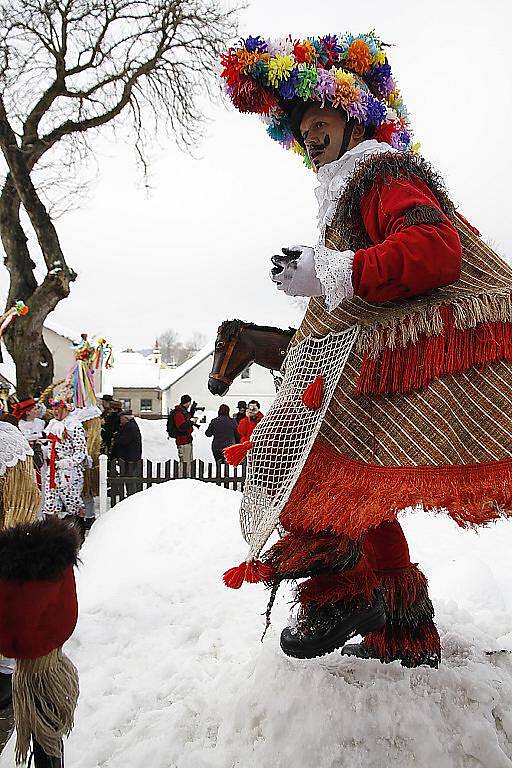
195, 249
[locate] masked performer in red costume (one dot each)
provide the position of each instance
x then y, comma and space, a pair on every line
421, 414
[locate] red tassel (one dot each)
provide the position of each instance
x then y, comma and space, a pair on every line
257, 571
234, 577
313, 394
235, 454
253, 572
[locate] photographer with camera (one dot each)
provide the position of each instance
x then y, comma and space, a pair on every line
180, 425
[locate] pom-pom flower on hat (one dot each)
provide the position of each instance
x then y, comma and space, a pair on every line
270, 77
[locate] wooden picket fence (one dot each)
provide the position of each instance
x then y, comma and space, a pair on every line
124, 478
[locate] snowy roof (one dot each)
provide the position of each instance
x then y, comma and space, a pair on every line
62, 331
175, 374
131, 370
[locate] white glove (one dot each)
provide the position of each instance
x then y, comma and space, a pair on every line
65, 463
294, 272
334, 269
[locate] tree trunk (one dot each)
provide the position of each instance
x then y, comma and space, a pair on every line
23, 338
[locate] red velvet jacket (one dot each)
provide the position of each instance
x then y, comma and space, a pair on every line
404, 261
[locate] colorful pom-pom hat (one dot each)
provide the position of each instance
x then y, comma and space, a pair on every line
274, 78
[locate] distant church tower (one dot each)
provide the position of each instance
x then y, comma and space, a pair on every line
156, 355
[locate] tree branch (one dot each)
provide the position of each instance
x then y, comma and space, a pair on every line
45, 231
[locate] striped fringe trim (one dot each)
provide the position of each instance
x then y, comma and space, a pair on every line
467, 312
350, 497
410, 634
446, 348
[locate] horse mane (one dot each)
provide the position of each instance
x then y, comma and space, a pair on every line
230, 328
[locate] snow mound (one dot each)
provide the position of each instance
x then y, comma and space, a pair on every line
173, 674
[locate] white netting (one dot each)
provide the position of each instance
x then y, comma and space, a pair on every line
283, 439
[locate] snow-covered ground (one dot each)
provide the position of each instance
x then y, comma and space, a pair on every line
157, 447
173, 674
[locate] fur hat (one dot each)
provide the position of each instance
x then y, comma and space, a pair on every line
38, 605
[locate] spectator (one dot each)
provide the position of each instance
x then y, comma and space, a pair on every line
109, 422
127, 446
224, 431
248, 423
180, 426
240, 414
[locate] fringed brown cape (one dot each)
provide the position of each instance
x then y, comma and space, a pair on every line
422, 414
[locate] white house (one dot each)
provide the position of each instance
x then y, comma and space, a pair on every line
151, 389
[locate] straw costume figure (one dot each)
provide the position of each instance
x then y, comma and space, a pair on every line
38, 612
420, 414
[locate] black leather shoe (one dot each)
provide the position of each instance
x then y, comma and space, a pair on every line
323, 630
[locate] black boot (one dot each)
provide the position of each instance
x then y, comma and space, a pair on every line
42, 760
6, 711
323, 629
359, 650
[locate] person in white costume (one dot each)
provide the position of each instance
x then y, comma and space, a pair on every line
67, 462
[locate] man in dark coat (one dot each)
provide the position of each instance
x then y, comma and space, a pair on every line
224, 431
241, 413
127, 446
109, 422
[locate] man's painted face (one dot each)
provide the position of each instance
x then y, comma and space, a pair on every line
322, 130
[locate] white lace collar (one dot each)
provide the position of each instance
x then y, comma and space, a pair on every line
56, 427
334, 176
13, 447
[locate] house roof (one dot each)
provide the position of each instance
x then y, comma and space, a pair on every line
173, 375
131, 370
60, 330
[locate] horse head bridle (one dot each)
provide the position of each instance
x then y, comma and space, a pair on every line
227, 357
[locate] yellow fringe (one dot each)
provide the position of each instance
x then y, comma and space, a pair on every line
19, 495
45, 694
92, 476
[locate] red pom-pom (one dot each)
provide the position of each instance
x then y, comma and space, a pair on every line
312, 396
249, 96
235, 454
257, 571
385, 132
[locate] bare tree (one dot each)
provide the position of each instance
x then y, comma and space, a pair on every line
174, 350
68, 68
169, 343
196, 341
